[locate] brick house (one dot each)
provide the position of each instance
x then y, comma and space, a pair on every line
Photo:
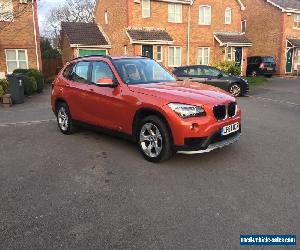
175, 32
80, 39
274, 28
19, 36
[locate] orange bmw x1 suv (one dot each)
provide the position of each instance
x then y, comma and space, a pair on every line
137, 97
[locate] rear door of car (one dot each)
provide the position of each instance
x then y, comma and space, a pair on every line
78, 91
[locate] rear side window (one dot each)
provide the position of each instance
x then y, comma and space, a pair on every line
68, 71
81, 73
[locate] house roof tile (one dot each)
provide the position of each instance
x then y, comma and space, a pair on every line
231, 38
287, 4
84, 33
294, 41
149, 34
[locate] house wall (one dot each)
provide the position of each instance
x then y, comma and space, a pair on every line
19, 34
267, 28
290, 31
117, 23
200, 35
67, 52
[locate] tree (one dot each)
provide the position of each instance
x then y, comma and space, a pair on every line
48, 52
70, 11
9, 12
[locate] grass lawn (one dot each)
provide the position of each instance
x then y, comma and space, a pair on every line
256, 80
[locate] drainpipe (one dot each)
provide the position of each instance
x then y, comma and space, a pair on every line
35, 34
188, 36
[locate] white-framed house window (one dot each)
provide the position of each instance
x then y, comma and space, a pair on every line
205, 15
228, 15
159, 53
297, 21
6, 10
203, 56
16, 59
174, 56
175, 13
146, 8
230, 54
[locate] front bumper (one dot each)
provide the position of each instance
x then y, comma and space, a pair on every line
202, 148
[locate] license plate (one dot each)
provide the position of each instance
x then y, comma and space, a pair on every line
270, 69
230, 129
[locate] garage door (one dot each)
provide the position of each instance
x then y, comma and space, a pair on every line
88, 52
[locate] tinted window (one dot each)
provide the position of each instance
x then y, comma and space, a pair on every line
101, 70
211, 72
268, 59
81, 72
141, 71
68, 71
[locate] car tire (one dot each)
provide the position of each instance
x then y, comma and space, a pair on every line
154, 139
236, 89
64, 119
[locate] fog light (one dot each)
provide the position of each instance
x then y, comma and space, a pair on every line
194, 126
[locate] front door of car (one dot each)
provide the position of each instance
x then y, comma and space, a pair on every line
105, 102
214, 77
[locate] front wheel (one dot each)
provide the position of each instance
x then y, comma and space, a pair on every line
235, 89
154, 139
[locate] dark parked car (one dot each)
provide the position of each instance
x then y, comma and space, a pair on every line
235, 85
261, 65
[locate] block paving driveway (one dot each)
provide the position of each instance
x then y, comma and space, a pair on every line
93, 191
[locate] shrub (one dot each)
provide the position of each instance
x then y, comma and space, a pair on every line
38, 77
33, 73
229, 68
30, 85
3, 87
50, 79
20, 71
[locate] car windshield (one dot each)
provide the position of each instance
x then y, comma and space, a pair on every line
141, 71
268, 60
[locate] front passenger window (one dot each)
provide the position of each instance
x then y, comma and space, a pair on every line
101, 70
81, 72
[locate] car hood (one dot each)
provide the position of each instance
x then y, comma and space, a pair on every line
233, 78
184, 92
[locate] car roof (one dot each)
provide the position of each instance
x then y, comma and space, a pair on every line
95, 57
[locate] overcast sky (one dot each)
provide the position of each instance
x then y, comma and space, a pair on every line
44, 6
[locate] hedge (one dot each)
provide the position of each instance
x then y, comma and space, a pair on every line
3, 87
229, 68
30, 85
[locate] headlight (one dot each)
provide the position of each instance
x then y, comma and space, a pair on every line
186, 111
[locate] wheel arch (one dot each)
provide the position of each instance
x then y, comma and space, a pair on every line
144, 112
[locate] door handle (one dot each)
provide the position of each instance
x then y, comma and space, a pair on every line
92, 90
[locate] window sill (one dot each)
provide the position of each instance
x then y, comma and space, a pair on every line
295, 28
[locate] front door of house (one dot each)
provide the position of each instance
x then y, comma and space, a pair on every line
289, 60
238, 56
147, 51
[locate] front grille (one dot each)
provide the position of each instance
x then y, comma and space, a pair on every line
231, 109
220, 112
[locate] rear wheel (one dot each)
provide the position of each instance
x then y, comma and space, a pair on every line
64, 119
154, 139
235, 90
254, 73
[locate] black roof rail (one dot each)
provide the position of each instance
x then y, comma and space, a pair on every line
104, 56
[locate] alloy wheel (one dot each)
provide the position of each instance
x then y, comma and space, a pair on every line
151, 140
235, 90
63, 119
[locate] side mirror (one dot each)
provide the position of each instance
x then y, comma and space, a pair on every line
106, 82
220, 75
